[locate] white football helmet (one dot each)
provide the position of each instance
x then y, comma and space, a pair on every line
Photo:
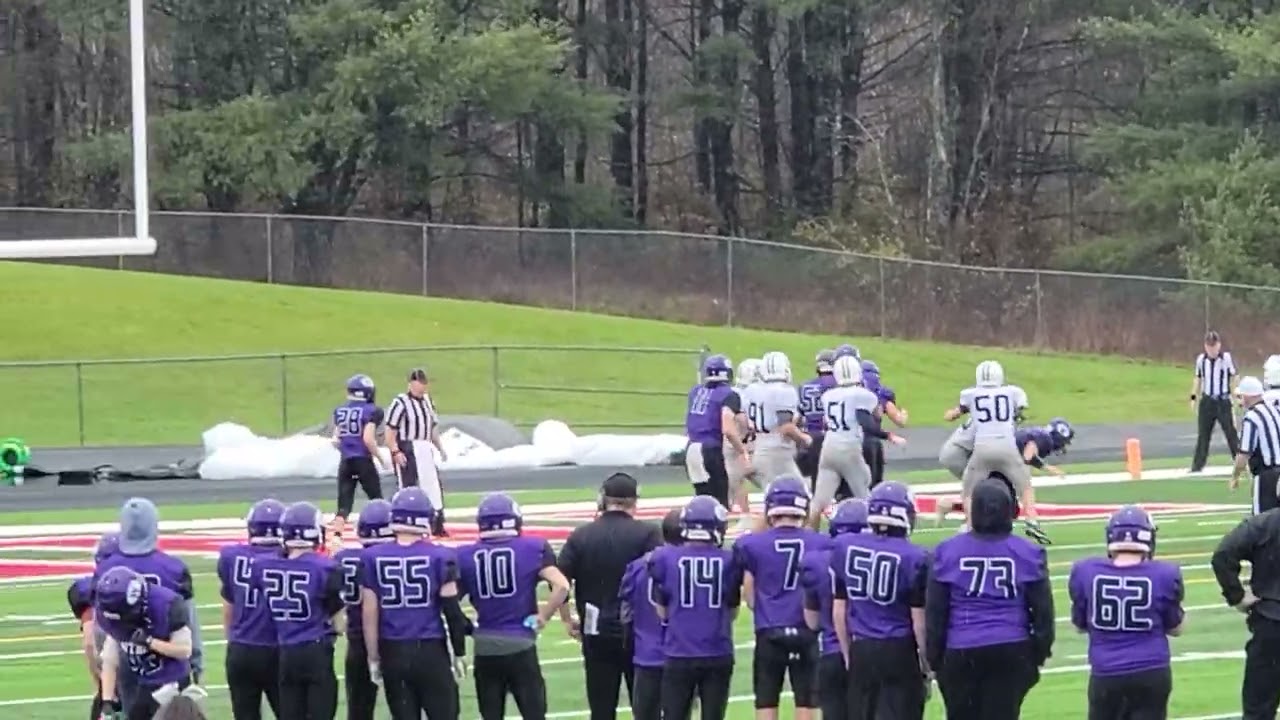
1271, 371
776, 367
989, 374
847, 371
748, 372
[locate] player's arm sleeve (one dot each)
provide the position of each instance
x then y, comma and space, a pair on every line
917, 592
457, 623
867, 422
186, 587
839, 588
733, 593
1079, 600
1235, 547
331, 594
377, 417
548, 558
179, 616
1174, 612
654, 569
1039, 594
937, 616
733, 403
224, 572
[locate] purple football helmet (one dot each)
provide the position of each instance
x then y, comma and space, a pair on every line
107, 545
704, 519
850, 517
374, 524
1131, 529
120, 593
824, 361
1061, 432
891, 507
411, 511
870, 368
263, 522
302, 526
498, 516
717, 369
787, 496
360, 387
847, 350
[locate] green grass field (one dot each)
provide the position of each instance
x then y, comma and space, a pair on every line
67, 313
43, 676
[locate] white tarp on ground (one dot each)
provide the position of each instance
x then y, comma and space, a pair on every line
233, 452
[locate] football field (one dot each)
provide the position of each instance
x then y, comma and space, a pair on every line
42, 674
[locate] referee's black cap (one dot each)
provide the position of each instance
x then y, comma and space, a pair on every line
620, 486
417, 374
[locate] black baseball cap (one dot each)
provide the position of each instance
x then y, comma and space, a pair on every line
620, 486
418, 374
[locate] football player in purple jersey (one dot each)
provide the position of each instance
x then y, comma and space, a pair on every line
644, 628
302, 589
80, 600
355, 429
815, 418
697, 589
253, 659
988, 611
849, 517
710, 422
1128, 604
146, 630
409, 606
500, 575
373, 527
771, 561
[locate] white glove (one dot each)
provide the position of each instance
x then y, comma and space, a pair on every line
375, 672
459, 667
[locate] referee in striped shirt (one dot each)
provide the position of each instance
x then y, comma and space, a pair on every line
411, 417
1259, 446
1211, 388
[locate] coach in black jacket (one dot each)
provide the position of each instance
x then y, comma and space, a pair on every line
594, 559
1257, 540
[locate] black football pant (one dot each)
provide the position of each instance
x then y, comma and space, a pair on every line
987, 683
885, 682
781, 653
253, 671
1213, 411
606, 661
519, 674
418, 676
807, 462
362, 693
646, 695
407, 476
707, 679
1266, 490
873, 453
717, 484
1135, 696
833, 697
355, 471
308, 685
1260, 691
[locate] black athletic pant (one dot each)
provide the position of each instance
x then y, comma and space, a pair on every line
707, 679
987, 683
355, 471
1211, 411
1135, 696
784, 653
418, 676
646, 696
606, 661
1265, 490
885, 682
519, 674
407, 476
833, 695
362, 693
1260, 691
873, 453
308, 685
253, 671
717, 484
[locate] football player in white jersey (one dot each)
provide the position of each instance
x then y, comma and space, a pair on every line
850, 414
1271, 379
773, 410
740, 469
995, 409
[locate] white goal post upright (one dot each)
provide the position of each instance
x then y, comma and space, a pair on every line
141, 243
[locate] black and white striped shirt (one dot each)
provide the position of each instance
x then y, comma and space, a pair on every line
1215, 374
412, 418
1260, 436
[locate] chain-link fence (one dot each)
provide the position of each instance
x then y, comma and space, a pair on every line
694, 278
173, 400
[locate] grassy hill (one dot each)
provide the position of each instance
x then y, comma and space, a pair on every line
61, 313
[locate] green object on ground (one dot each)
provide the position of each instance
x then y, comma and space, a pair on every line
101, 314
